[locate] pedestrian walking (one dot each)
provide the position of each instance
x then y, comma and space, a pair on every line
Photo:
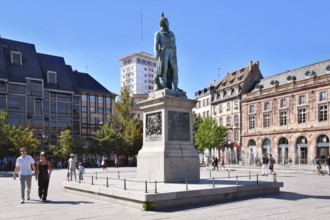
215, 162
222, 162
81, 171
327, 162
104, 163
116, 163
44, 170
23, 167
72, 167
317, 164
271, 164
265, 161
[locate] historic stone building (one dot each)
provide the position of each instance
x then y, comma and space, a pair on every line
287, 115
226, 104
204, 98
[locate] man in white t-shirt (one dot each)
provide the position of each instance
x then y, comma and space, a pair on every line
23, 167
72, 167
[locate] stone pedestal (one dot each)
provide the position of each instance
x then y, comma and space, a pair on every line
168, 153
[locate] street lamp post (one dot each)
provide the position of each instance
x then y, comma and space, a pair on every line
43, 141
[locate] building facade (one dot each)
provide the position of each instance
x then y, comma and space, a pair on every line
137, 73
287, 115
226, 106
42, 92
203, 99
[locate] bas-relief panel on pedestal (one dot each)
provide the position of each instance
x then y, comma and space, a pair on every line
178, 126
154, 126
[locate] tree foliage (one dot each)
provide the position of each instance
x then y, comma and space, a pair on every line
124, 133
209, 135
12, 138
67, 145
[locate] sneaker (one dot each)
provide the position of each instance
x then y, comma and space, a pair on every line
22, 201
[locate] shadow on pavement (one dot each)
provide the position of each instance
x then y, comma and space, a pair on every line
69, 202
295, 196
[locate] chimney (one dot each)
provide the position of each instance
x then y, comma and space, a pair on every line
257, 62
251, 64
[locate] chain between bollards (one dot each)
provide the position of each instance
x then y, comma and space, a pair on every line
155, 186
107, 182
124, 184
92, 180
146, 186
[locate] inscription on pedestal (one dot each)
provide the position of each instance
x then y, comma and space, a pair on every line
154, 126
178, 126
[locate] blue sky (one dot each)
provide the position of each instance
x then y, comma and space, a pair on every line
210, 34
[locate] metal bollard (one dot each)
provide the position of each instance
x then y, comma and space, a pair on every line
249, 175
257, 179
118, 174
236, 180
107, 182
124, 184
155, 186
95, 175
275, 178
146, 186
186, 184
92, 180
213, 183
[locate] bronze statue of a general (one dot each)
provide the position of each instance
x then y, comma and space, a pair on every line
165, 52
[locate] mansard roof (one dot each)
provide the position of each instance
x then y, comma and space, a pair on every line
299, 74
37, 65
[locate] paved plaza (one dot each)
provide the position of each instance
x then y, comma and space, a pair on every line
304, 196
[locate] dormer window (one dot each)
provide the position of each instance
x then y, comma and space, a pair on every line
51, 77
16, 58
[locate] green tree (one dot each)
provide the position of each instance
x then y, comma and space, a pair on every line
67, 145
209, 135
128, 125
23, 137
12, 138
124, 133
5, 143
